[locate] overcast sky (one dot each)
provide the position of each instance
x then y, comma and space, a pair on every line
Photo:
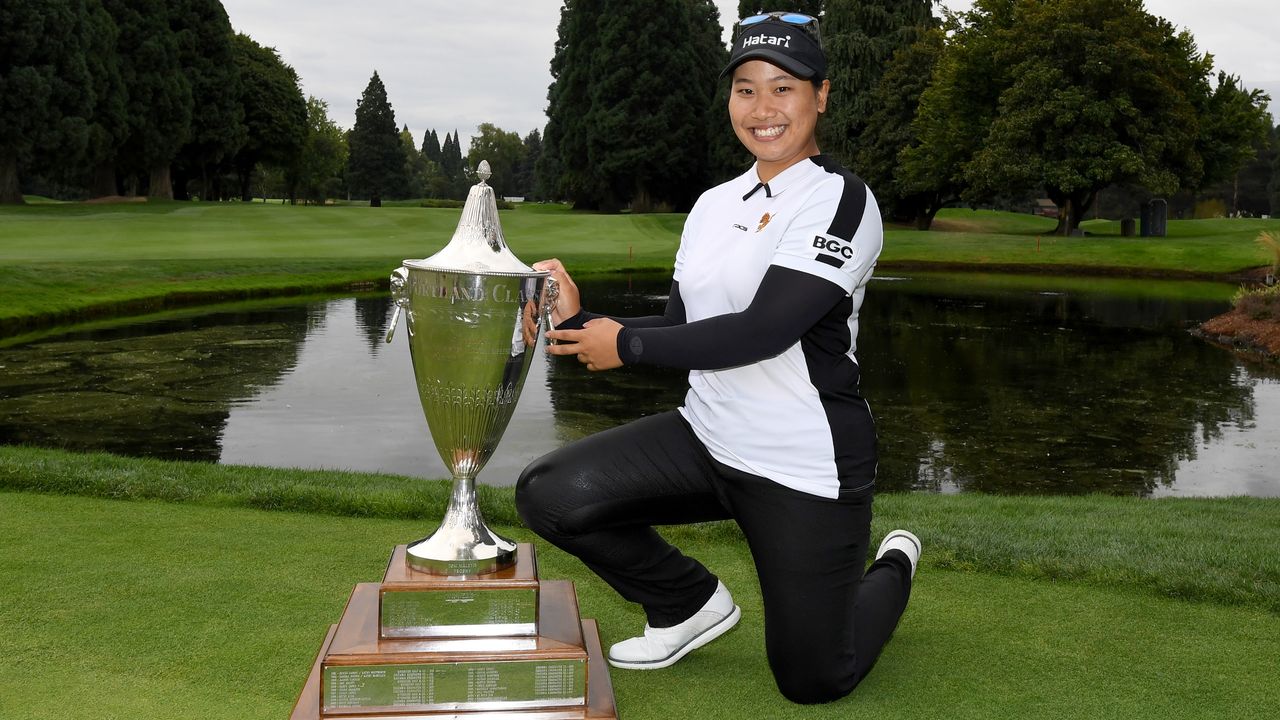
453, 65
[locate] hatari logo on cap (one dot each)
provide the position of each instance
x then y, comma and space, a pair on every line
762, 39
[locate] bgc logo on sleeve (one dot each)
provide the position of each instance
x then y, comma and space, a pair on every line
832, 250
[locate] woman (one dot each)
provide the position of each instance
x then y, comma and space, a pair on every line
763, 311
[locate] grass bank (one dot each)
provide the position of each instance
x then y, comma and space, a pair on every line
200, 608
1220, 550
72, 261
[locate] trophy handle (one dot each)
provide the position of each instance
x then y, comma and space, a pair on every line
399, 277
549, 296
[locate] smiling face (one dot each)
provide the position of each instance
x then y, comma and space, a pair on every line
775, 115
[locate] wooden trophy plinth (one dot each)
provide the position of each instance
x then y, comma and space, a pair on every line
418, 645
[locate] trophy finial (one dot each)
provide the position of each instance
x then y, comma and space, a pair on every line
482, 170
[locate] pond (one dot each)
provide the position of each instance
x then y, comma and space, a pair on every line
1001, 384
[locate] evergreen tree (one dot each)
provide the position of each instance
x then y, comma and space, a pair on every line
725, 156
565, 171
524, 184
217, 120
431, 147
275, 113
109, 122
860, 37
454, 160
160, 101
46, 87
451, 166
376, 163
628, 109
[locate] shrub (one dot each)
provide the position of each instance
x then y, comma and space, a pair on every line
1271, 241
442, 203
1258, 303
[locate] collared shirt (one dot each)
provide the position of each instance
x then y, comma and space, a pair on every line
796, 418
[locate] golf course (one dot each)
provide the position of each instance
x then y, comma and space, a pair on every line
142, 588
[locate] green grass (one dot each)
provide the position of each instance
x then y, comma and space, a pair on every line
73, 261
1193, 248
1221, 550
152, 609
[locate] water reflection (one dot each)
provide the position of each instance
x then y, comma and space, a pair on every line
1010, 385
1018, 393
141, 390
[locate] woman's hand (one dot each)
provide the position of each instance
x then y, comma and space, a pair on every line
596, 344
568, 302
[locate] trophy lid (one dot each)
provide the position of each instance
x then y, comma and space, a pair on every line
477, 245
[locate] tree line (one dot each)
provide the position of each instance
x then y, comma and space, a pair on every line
163, 99
109, 97
1091, 103
385, 162
997, 106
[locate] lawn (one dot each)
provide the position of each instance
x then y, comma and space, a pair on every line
142, 588
71, 261
206, 604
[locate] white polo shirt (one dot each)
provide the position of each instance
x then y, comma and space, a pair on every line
791, 417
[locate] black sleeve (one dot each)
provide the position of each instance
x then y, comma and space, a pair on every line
787, 303
673, 315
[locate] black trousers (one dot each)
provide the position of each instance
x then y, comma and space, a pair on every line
825, 620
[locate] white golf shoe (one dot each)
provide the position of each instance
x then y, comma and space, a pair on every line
902, 540
662, 647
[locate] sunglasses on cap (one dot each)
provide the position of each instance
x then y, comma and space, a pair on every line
808, 23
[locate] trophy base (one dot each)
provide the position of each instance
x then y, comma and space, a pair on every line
417, 604
443, 553
441, 659
600, 703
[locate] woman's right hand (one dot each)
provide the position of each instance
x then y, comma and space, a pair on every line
568, 303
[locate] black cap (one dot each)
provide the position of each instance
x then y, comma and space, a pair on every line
783, 44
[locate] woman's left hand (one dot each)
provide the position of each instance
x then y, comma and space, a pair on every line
596, 344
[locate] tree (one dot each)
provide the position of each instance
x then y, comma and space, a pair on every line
725, 157
46, 87
376, 164
1273, 187
1234, 122
954, 110
160, 102
323, 154
860, 37
524, 176
1246, 191
275, 113
431, 147
1111, 96
205, 51
451, 166
505, 152
564, 170
109, 122
647, 108
890, 130
628, 108
415, 168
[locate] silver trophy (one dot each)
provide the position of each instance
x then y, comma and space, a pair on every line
474, 313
